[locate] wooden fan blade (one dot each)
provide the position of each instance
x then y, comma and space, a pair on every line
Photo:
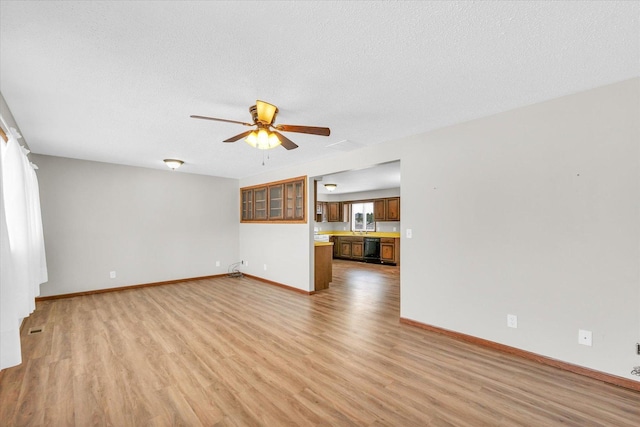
239, 136
221, 120
304, 129
285, 142
266, 111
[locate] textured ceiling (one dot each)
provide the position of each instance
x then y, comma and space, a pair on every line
117, 81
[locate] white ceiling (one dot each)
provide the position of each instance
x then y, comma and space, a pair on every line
377, 177
117, 81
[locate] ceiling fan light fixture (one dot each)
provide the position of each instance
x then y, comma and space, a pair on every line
274, 141
252, 139
330, 187
263, 140
173, 163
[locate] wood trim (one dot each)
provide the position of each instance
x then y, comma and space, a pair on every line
587, 372
3, 135
280, 285
274, 221
282, 181
125, 288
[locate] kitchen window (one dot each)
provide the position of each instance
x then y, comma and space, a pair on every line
362, 217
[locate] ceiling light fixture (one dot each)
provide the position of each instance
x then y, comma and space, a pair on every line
173, 163
330, 187
263, 139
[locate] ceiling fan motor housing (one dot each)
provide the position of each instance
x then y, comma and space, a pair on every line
254, 115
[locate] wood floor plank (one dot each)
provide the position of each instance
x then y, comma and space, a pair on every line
239, 352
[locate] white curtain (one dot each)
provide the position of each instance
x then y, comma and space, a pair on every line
22, 257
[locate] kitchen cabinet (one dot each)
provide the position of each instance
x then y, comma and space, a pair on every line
379, 210
321, 212
294, 200
386, 209
345, 249
260, 203
357, 249
350, 247
334, 209
336, 246
281, 201
247, 205
275, 201
389, 250
393, 209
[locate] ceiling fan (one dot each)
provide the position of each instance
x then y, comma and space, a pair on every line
266, 135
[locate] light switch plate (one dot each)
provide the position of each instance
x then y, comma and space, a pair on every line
409, 233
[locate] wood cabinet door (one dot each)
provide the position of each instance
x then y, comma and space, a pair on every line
247, 205
334, 211
393, 209
294, 200
260, 203
387, 252
276, 201
357, 249
336, 247
379, 210
345, 249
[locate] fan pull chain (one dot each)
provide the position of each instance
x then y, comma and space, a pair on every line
262, 157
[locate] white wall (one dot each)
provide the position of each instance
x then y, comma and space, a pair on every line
533, 212
147, 225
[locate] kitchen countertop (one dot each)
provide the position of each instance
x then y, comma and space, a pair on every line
322, 243
370, 234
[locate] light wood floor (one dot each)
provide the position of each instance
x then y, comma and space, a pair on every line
240, 352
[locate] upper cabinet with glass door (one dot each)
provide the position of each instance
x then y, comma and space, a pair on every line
294, 200
281, 201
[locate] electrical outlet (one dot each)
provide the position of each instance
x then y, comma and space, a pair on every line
112, 274
512, 320
585, 337
217, 263
409, 233
394, 228
245, 263
265, 267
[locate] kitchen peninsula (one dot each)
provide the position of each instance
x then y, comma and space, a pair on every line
323, 266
